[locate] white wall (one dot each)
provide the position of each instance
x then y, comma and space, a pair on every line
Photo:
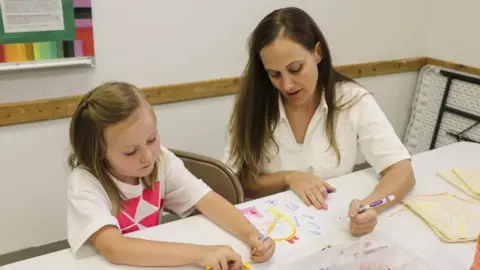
164, 43
452, 32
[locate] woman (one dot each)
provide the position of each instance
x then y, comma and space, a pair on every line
297, 122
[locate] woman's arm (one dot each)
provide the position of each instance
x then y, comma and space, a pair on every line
122, 250
397, 180
225, 215
381, 146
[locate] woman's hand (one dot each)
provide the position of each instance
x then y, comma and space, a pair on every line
361, 224
219, 258
262, 251
311, 189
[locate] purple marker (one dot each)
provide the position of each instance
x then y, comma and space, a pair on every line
329, 190
376, 203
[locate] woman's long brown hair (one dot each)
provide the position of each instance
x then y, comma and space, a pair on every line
256, 111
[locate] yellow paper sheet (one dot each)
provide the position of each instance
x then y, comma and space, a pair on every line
453, 178
471, 178
448, 216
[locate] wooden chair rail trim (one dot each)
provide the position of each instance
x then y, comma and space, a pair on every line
62, 107
453, 66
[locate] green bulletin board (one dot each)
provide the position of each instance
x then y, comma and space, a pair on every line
36, 21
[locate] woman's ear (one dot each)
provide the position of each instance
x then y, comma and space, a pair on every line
318, 53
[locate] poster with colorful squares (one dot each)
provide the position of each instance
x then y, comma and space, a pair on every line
74, 41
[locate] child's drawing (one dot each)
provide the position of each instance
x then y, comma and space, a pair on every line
295, 220
308, 216
314, 225
283, 230
292, 240
292, 206
271, 202
251, 211
294, 224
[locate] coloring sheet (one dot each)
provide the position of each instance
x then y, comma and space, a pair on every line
297, 224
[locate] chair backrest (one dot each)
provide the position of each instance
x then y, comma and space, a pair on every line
214, 173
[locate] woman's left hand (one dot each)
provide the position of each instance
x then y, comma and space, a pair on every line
262, 251
364, 223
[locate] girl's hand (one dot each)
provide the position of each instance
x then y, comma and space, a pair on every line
311, 189
263, 251
219, 258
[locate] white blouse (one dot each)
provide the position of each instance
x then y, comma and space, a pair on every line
361, 124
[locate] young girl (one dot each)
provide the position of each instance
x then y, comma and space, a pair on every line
122, 178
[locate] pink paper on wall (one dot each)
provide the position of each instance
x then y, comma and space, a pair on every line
78, 48
83, 23
82, 3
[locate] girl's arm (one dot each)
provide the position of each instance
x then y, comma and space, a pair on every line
122, 250
225, 215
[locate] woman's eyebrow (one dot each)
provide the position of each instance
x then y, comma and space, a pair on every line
292, 63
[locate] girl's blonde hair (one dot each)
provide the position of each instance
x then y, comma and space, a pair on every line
106, 105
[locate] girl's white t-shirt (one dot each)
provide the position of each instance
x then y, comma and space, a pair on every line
89, 208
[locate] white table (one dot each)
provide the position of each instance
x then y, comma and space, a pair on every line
355, 185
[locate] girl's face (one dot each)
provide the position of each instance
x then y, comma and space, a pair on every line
292, 69
133, 146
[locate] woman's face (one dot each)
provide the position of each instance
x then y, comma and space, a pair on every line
292, 69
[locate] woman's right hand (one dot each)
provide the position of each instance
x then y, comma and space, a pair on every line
219, 258
311, 189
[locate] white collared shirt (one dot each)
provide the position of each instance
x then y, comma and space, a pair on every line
361, 124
